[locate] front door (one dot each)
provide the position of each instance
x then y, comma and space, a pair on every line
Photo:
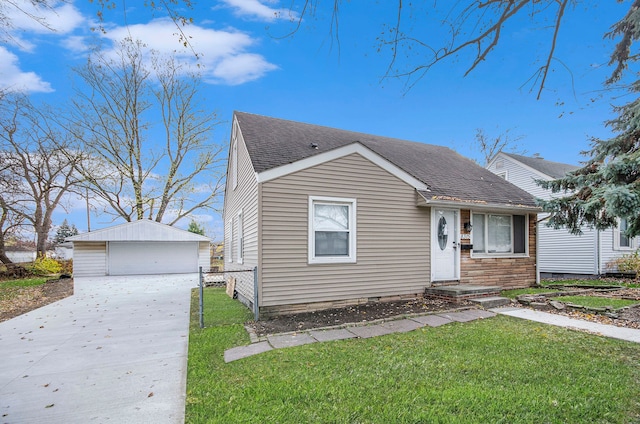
445, 245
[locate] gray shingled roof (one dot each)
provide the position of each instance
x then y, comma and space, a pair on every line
547, 167
275, 142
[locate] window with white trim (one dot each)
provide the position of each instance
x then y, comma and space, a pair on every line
621, 240
332, 230
240, 244
499, 234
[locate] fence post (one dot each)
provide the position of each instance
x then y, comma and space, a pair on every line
256, 308
201, 301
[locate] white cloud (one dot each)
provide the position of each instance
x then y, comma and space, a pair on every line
75, 44
60, 17
224, 56
257, 9
242, 68
14, 79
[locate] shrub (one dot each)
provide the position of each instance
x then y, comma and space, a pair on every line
628, 263
67, 266
44, 265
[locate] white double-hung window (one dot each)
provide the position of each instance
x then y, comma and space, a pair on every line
332, 230
498, 234
621, 240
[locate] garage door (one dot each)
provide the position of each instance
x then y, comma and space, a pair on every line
131, 258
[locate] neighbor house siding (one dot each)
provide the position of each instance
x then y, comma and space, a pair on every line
204, 255
507, 272
519, 175
392, 236
243, 198
89, 259
557, 245
610, 252
559, 250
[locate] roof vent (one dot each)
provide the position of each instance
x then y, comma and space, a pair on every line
537, 156
314, 146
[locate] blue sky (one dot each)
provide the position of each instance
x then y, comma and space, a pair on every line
247, 65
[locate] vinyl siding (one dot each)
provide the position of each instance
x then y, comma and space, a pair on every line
204, 255
243, 198
563, 252
609, 252
559, 251
89, 259
392, 236
520, 176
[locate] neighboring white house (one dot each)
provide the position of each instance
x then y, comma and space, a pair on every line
139, 247
20, 256
560, 252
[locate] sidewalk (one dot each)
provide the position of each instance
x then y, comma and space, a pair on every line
279, 341
622, 333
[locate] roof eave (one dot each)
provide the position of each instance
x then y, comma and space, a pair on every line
428, 201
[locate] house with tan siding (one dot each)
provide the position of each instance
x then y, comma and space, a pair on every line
560, 253
332, 217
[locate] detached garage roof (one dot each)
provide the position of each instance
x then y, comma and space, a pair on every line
142, 230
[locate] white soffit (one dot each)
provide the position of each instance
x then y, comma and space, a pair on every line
340, 152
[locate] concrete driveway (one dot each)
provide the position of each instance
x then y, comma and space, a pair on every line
115, 351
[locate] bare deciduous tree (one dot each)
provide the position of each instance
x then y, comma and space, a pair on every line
149, 136
489, 146
37, 166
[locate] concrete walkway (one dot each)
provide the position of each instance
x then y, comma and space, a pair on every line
404, 325
362, 331
622, 333
115, 351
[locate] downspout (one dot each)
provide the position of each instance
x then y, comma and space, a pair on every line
598, 254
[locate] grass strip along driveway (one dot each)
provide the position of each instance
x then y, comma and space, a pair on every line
496, 370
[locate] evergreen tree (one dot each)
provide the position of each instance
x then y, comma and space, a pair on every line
607, 187
194, 227
65, 230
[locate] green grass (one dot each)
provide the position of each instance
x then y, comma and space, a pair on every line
26, 282
587, 283
596, 301
10, 289
496, 370
512, 294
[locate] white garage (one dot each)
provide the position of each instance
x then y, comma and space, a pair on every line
139, 247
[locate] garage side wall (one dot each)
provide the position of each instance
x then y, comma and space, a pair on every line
89, 259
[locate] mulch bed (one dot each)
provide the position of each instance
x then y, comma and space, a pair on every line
26, 299
630, 318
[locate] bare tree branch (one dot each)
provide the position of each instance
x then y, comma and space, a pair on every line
138, 172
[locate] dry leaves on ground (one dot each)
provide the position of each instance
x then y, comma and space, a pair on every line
20, 300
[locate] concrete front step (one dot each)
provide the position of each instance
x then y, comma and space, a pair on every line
491, 301
461, 292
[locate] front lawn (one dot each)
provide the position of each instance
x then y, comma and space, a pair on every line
495, 370
513, 293
595, 283
596, 301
